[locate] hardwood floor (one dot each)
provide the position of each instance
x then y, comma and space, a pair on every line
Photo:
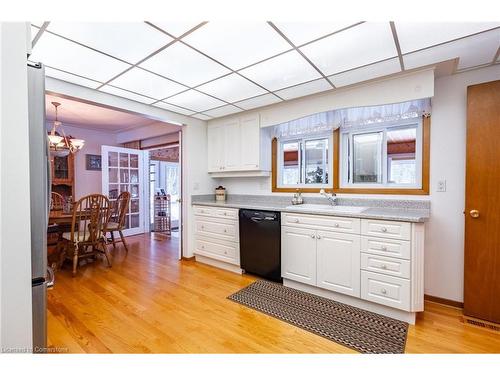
149, 302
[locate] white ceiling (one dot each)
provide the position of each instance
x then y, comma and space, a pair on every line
212, 69
89, 116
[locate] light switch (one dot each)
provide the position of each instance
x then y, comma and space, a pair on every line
441, 186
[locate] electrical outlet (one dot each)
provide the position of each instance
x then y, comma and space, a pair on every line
441, 186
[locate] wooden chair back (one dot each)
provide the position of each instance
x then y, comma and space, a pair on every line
89, 218
119, 209
56, 201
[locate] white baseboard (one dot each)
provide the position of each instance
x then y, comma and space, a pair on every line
218, 264
405, 316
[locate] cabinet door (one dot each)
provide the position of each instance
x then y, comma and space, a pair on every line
232, 146
215, 138
298, 254
339, 262
250, 143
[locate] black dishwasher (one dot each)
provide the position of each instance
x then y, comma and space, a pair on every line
260, 243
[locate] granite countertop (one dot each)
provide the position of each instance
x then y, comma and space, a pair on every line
416, 211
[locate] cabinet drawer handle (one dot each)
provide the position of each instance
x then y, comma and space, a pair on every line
202, 246
384, 229
383, 266
383, 248
202, 227
383, 291
318, 237
225, 252
336, 225
225, 230
313, 236
225, 213
296, 220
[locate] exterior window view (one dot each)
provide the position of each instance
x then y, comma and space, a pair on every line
220, 185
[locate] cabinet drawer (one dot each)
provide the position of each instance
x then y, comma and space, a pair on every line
388, 266
204, 211
386, 290
333, 223
224, 251
225, 230
387, 229
386, 247
227, 213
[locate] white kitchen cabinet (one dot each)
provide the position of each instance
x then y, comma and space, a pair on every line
215, 140
238, 147
298, 256
338, 262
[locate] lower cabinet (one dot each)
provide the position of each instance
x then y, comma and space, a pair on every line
338, 262
298, 255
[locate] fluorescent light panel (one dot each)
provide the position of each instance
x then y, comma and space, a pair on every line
176, 28
304, 89
126, 94
195, 100
222, 111
360, 45
303, 32
129, 41
231, 88
146, 83
71, 57
238, 44
185, 65
71, 78
258, 101
366, 73
173, 108
281, 71
417, 35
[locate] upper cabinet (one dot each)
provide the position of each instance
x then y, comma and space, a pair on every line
238, 147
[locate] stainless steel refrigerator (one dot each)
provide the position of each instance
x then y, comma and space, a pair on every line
40, 182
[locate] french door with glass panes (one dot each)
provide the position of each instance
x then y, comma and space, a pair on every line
122, 170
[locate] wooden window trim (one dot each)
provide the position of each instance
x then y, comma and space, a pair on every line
426, 148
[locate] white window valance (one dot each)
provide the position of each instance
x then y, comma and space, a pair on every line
352, 118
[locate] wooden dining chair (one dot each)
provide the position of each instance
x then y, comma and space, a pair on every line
56, 201
116, 219
87, 238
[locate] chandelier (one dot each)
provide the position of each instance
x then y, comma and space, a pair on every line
62, 145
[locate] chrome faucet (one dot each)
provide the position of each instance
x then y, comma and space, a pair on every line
332, 197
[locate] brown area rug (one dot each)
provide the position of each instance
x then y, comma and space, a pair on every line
350, 326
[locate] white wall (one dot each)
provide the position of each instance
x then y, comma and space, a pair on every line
88, 182
15, 239
445, 230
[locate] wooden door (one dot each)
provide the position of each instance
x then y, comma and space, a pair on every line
298, 254
482, 203
338, 262
250, 143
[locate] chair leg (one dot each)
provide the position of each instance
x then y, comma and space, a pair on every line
75, 259
105, 250
113, 239
123, 240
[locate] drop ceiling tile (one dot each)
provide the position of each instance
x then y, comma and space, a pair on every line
472, 51
71, 78
222, 111
201, 116
258, 101
173, 108
282, 71
304, 89
303, 32
231, 88
413, 36
360, 45
146, 83
71, 57
34, 32
176, 28
366, 73
126, 94
130, 41
184, 65
195, 100
238, 44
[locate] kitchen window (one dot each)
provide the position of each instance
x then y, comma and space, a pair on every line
305, 162
387, 156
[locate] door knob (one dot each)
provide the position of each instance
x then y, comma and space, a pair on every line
474, 214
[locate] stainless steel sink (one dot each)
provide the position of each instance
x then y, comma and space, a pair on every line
328, 208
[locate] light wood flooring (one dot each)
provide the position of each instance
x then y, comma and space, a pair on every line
149, 302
